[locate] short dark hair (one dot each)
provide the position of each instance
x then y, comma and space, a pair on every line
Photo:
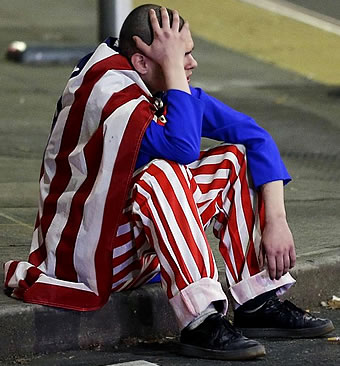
138, 24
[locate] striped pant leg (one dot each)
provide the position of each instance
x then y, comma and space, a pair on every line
227, 193
167, 227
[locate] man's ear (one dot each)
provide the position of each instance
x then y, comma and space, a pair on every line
139, 62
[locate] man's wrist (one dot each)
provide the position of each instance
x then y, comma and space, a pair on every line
175, 78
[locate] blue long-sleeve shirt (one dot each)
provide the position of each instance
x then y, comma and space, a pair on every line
191, 117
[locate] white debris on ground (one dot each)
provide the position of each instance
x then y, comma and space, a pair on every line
333, 303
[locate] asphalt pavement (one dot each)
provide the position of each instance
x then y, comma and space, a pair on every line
279, 352
301, 114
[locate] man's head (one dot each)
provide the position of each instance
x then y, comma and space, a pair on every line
138, 24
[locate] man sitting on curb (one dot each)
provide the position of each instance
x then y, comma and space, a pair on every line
126, 193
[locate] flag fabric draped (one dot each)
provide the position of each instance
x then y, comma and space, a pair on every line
88, 163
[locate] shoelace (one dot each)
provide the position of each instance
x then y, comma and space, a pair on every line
232, 332
282, 309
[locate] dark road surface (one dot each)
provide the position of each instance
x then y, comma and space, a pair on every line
279, 353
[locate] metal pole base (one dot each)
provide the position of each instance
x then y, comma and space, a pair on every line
38, 54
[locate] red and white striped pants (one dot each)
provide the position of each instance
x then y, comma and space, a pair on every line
163, 225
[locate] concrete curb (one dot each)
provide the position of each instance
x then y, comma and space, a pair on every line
142, 313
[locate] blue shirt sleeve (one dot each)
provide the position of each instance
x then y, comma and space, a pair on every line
223, 123
189, 117
179, 138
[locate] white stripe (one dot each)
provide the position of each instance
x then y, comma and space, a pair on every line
147, 222
103, 88
240, 217
123, 229
136, 256
102, 52
55, 282
126, 280
227, 242
209, 178
172, 220
90, 229
210, 195
19, 274
298, 13
123, 265
122, 249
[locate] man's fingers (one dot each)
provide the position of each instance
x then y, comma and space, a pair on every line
154, 21
261, 257
286, 263
175, 20
292, 256
271, 263
141, 45
165, 18
279, 267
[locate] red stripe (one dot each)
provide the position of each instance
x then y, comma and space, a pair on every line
249, 215
121, 177
217, 150
64, 297
223, 221
180, 282
11, 270
176, 207
64, 253
137, 244
93, 155
232, 221
37, 221
195, 213
147, 274
32, 275
167, 281
69, 141
136, 265
232, 225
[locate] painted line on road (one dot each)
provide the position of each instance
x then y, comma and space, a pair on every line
298, 13
18, 222
135, 363
316, 252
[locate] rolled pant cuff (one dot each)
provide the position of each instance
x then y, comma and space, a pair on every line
195, 298
258, 284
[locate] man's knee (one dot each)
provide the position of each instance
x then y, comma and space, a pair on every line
234, 148
160, 167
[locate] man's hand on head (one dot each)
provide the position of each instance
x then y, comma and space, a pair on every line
169, 43
168, 49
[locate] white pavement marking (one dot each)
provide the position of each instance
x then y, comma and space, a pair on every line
298, 13
134, 363
314, 252
18, 222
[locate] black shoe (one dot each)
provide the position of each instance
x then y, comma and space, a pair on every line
281, 320
217, 339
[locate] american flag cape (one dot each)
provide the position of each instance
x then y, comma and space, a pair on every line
88, 164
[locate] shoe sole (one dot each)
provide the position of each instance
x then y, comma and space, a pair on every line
242, 354
287, 333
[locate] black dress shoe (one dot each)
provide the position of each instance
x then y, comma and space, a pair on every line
217, 339
281, 320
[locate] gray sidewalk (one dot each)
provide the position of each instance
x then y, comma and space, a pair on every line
299, 114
